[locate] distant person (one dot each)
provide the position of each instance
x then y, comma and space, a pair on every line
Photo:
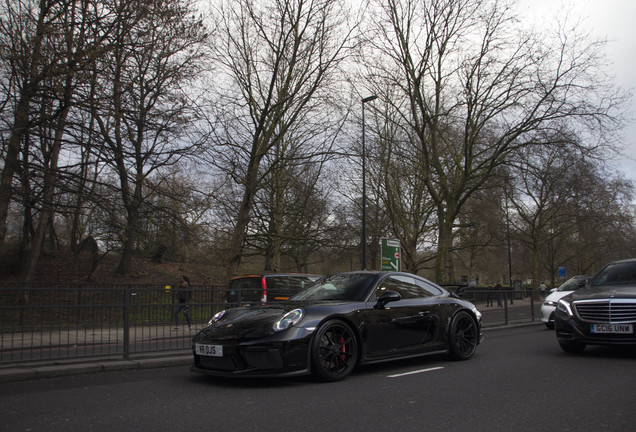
499, 290
183, 294
543, 289
489, 296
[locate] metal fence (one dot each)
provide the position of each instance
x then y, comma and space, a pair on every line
66, 321
40, 322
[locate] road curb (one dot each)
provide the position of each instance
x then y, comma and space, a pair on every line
27, 373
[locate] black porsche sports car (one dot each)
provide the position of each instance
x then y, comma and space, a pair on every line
601, 313
336, 323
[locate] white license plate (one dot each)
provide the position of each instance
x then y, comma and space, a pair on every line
612, 328
209, 350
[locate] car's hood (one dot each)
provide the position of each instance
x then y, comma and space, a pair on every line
247, 322
604, 291
255, 321
556, 295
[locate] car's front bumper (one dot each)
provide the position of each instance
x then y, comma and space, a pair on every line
263, 357
574, 330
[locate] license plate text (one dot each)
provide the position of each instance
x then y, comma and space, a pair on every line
612, 328
209, 350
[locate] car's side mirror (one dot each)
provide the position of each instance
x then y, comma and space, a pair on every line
387, 297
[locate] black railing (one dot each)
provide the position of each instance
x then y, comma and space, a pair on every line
43, 322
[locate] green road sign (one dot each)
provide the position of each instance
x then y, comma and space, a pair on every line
391, 259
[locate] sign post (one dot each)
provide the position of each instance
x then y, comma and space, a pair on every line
391, 259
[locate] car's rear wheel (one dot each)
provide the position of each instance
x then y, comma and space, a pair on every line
334, 351
572, 347
463, 337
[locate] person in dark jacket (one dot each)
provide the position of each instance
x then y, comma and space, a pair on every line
183, 294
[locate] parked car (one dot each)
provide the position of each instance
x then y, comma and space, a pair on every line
601, 313
337, 323
265, 288
549, 304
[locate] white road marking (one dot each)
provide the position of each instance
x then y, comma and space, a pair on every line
415, 372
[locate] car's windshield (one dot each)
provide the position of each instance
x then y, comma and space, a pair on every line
571, 284
620, 273
347, 287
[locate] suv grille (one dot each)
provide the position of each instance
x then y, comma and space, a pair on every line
605, 311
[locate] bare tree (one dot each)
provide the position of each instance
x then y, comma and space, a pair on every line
542, 200
394, 176
567, 211
277, 60
474, 89
39, 42
144, 116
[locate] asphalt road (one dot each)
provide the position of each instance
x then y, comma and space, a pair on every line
519, 380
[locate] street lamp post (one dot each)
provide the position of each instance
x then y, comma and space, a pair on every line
512, 296
364, 188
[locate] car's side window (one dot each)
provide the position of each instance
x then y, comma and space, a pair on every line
404, 285
429, 289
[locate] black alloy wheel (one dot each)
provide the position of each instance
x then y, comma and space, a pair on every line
334, 351
463, 337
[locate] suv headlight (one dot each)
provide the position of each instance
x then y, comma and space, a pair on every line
564, 307
288, 320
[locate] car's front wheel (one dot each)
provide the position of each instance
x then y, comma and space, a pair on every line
463, 337
334, 351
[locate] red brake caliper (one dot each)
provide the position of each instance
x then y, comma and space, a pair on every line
343, 350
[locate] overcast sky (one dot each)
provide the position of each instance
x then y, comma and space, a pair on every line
613, 20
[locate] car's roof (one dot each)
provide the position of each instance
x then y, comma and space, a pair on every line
251, 275
383, 273
379, 272
627, 260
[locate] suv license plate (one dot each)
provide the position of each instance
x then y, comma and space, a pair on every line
612, 328
209, 350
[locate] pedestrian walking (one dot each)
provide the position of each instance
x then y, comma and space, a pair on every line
489, 296
183, 294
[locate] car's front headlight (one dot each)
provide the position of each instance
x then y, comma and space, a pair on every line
564, 307
550, 303
291, 318
216, 317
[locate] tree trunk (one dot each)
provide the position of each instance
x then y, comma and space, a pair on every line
125, 261
21, 120
50, 181
443, 267
18, 131
242, 221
